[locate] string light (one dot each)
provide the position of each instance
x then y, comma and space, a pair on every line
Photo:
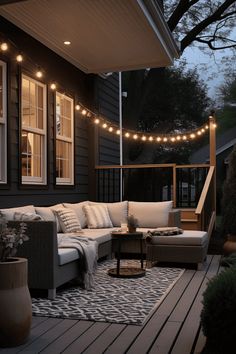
4, 46
113, 128
19, 58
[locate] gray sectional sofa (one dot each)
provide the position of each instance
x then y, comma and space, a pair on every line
50, 266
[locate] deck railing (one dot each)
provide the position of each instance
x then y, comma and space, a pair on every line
191, 187
152, 182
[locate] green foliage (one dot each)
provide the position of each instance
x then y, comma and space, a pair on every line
228, 221
218, 318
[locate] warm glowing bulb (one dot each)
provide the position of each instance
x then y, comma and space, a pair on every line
39, 74
4, 46
104, 125
19, 58
110, 129
178, 138
173, 139
53, 86
118, 132
184, 137
135, 136
96, 121
192, 136
165, 139
127, 135
67, 42
150, 138
214, 125
199, 132
84, 112
206, 127
203, 130
144, 138
158, 139
77, 107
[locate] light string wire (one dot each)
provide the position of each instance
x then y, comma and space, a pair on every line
105, 124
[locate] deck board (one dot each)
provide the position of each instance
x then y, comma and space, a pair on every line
173, 328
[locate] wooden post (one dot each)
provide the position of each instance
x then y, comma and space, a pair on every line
212, 135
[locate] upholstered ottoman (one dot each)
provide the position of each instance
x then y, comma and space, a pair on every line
189, 247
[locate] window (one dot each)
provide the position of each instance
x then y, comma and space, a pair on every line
64, 140
33, 131
3, 123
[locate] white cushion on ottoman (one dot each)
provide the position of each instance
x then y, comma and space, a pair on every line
188, 238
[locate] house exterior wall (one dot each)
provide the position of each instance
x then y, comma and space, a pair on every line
91, 90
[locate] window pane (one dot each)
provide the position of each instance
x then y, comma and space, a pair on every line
31, 146
25, 103
33, 121
63, 158
67, 127
40, 118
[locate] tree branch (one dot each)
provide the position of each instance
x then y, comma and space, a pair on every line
210, 42
216, 16
182, 7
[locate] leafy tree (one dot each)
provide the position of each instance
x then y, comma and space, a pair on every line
206, 23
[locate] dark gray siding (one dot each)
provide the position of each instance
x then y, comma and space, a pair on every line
74, 83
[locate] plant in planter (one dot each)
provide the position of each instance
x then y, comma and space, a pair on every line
228, 222
15, 300
218, 314
132, 223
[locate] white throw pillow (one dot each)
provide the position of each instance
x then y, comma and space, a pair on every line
97, 216
78, 209
118, 211
55, 207
68, 220
151, 214
10, 212
26, 216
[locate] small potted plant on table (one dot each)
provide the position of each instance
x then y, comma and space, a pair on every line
132, 223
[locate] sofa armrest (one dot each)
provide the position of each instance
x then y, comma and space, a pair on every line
174, 218
41, 250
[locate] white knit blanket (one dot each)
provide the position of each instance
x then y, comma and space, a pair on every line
88, 251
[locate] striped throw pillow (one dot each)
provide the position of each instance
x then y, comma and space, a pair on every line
68, 220
97, 216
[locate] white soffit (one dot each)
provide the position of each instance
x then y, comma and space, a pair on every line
105, 35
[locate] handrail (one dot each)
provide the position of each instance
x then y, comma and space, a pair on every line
205, 190
104, 167
152, 165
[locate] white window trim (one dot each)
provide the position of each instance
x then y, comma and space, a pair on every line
3, 122
67, 181
38, 180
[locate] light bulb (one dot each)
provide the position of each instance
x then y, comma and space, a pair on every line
184, 137
178, 138
158, 139
127, 135
19, 58
165, 139
199, 132
96, 121
144, 138
84, 112
150, 138
4, 46
135, 136
77, 107
67, 42
110, 129
192, 136
173, 139
118, 132
53, 86
39, 74
206, 127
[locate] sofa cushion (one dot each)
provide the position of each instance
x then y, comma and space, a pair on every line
68, 220
78, 209
150, 214
97, 216
10, 212
46, 213
55, 207
19, 216
118, 211
99, 235
187, 238
67, 255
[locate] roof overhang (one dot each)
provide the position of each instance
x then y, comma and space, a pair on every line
105, 35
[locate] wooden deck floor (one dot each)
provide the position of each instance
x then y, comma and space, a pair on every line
173, 328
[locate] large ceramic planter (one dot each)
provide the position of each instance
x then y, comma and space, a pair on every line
15, 302
229, 245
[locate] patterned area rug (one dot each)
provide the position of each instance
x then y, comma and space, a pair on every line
116, 300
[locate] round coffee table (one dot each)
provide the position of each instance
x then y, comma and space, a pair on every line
127, 272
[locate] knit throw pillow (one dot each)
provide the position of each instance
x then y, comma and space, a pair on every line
68, 220
97, 216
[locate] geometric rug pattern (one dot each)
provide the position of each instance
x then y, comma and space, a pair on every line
115, 300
